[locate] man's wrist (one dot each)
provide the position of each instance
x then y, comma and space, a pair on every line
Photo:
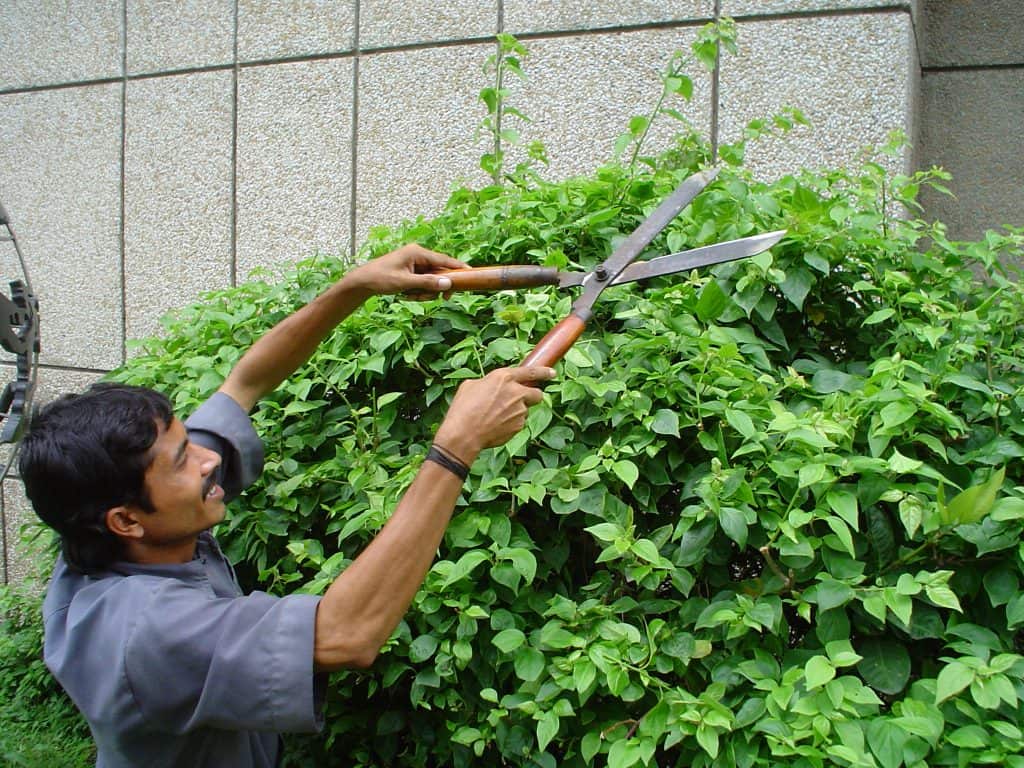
462, 447
449, 461
354, 286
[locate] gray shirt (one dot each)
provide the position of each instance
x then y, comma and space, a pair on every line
171, 664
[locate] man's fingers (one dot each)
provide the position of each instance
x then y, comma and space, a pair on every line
532, 374
428, 286
428, 260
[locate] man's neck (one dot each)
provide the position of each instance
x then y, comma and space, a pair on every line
163, 554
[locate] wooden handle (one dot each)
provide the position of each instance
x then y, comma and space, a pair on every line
556, 343
500, 278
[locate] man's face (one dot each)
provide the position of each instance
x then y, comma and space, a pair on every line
181, 488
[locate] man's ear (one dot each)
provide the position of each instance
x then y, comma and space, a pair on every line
123, 521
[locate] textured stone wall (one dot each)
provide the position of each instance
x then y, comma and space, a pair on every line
153, 149
972, 108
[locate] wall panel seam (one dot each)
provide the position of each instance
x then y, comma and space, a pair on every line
72, 368
354, 138
971, 68
61, 86
233, 257
122, 245
824, 13
716, 82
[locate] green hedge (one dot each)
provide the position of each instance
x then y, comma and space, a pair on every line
768, 514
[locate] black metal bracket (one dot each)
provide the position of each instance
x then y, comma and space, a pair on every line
19, 335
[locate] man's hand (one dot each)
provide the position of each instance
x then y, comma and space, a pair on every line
408, 270
487, 412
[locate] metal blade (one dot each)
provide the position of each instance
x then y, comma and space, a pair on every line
640, 238
683, 261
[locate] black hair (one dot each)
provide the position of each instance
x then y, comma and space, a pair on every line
83, 455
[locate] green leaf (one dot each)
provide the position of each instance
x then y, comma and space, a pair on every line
881, 535
907, 585
952, 679
665, 422
583, 674
897, 413
901, 605
827, 380
879, 316
555, 637
809, 474
590, 745
694, 543
465, 566
818, 671
831, 593
842, 532
626, 471
741, 422
606, 531
1002, 585
911, 514
969, 737
654, 723
422, 648
466, 735
509, 639
734, 524
887, 741
637, 125
984, 694
712, 302
841, 653
797, 284
623, 754
901, 464
886, 664
1015, 612
646, 550
844, 504
973, 504
528, 663
942, 596
707, 738
967, 382
523, 561
547, 729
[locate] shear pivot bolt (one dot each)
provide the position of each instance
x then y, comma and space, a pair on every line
601, 274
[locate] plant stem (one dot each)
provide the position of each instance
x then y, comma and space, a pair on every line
787, 581
907, 558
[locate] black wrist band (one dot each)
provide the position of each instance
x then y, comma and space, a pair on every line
450, 463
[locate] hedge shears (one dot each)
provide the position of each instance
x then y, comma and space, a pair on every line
616, 269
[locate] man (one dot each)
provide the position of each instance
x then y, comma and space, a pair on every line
145, 625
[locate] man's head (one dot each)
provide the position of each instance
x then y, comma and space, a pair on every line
112, 468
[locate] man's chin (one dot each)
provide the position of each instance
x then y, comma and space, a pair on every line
216, 510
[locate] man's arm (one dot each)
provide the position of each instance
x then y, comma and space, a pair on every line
289, 344
363, 606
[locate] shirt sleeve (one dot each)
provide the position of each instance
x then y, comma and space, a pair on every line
222, 425
246, 663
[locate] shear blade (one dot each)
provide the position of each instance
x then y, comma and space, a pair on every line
684, 261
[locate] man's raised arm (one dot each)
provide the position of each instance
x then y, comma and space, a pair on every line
289, 344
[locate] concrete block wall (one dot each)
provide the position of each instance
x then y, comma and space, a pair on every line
972, 112
151, 150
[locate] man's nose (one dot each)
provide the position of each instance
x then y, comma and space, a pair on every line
208, 460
